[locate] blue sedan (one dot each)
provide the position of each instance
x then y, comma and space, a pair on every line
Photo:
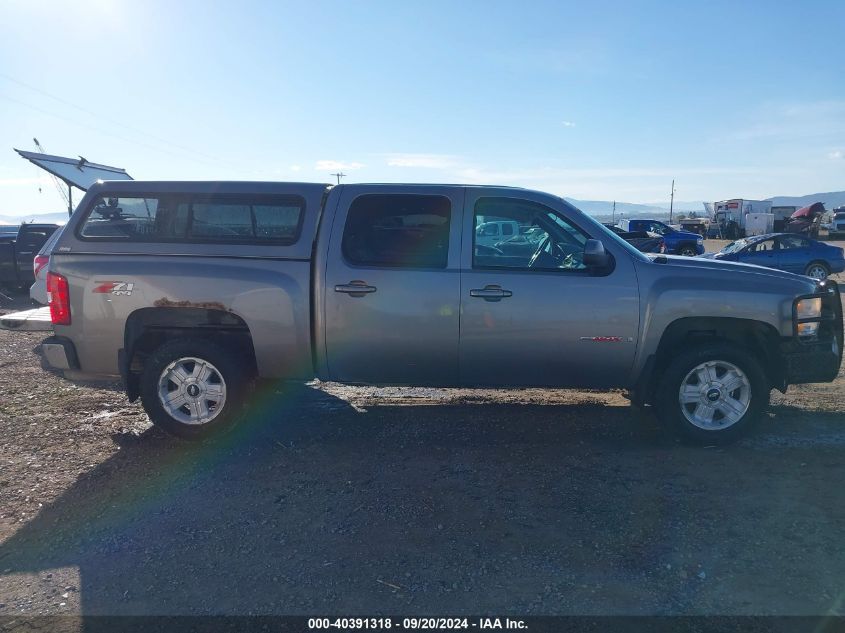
786, 251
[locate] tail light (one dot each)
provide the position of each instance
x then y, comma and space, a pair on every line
662, 246
39, 263
58, 297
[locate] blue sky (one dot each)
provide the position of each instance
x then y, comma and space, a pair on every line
592, 100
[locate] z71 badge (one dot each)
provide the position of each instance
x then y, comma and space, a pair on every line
118, 288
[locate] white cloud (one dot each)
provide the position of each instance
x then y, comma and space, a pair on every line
424, 161
568, 124
330, 165
836, 154
295, 168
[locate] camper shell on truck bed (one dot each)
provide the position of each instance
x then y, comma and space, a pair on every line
190, 291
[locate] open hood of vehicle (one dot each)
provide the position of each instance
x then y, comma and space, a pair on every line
809, 211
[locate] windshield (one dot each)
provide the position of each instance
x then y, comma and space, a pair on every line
733, 247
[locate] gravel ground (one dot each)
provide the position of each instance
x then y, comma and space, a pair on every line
412, 501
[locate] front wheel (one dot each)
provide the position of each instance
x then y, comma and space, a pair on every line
712, 394
817, 270
687, 251
193, 388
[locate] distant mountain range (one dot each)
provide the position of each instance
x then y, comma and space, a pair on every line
831, 200
60, 217
602, 209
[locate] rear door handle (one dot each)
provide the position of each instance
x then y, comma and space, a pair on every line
490, 293
356, 288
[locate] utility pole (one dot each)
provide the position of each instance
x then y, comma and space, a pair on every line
339, 175
614, 212
671, 201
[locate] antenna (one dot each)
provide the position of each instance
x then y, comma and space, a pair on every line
339, 175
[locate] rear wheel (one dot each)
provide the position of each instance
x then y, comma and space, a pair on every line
712, 394
817, 270
193, 388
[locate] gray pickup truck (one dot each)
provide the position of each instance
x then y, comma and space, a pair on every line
191, 291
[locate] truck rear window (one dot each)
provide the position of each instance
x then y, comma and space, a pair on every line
178, 218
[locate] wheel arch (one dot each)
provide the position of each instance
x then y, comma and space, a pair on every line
760, 338
820, 262
148, 328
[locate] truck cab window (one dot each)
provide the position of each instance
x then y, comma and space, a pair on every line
398, 230
539, 238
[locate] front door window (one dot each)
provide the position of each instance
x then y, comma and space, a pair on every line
547, 241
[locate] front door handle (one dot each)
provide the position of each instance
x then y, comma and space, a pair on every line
356, 288
490, 293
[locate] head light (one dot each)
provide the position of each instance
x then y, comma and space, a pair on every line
808, 308
808, 329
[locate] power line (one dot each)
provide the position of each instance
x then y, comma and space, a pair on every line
100, 117
96, 129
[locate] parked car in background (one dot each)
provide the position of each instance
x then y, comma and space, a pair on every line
17, 251
38, 290
836, 230
677, 242
785, 251
641, 240
491, 233
806, 221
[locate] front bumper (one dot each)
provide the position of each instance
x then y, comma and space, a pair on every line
60, 353
811, 362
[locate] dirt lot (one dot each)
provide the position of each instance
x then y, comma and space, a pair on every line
412, 501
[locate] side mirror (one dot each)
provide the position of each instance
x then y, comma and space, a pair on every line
594, 254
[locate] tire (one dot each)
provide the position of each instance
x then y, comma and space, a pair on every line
817, 270
687, 251
711, 414
213, 388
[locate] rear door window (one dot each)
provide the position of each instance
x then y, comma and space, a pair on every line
397, 230
789, 242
